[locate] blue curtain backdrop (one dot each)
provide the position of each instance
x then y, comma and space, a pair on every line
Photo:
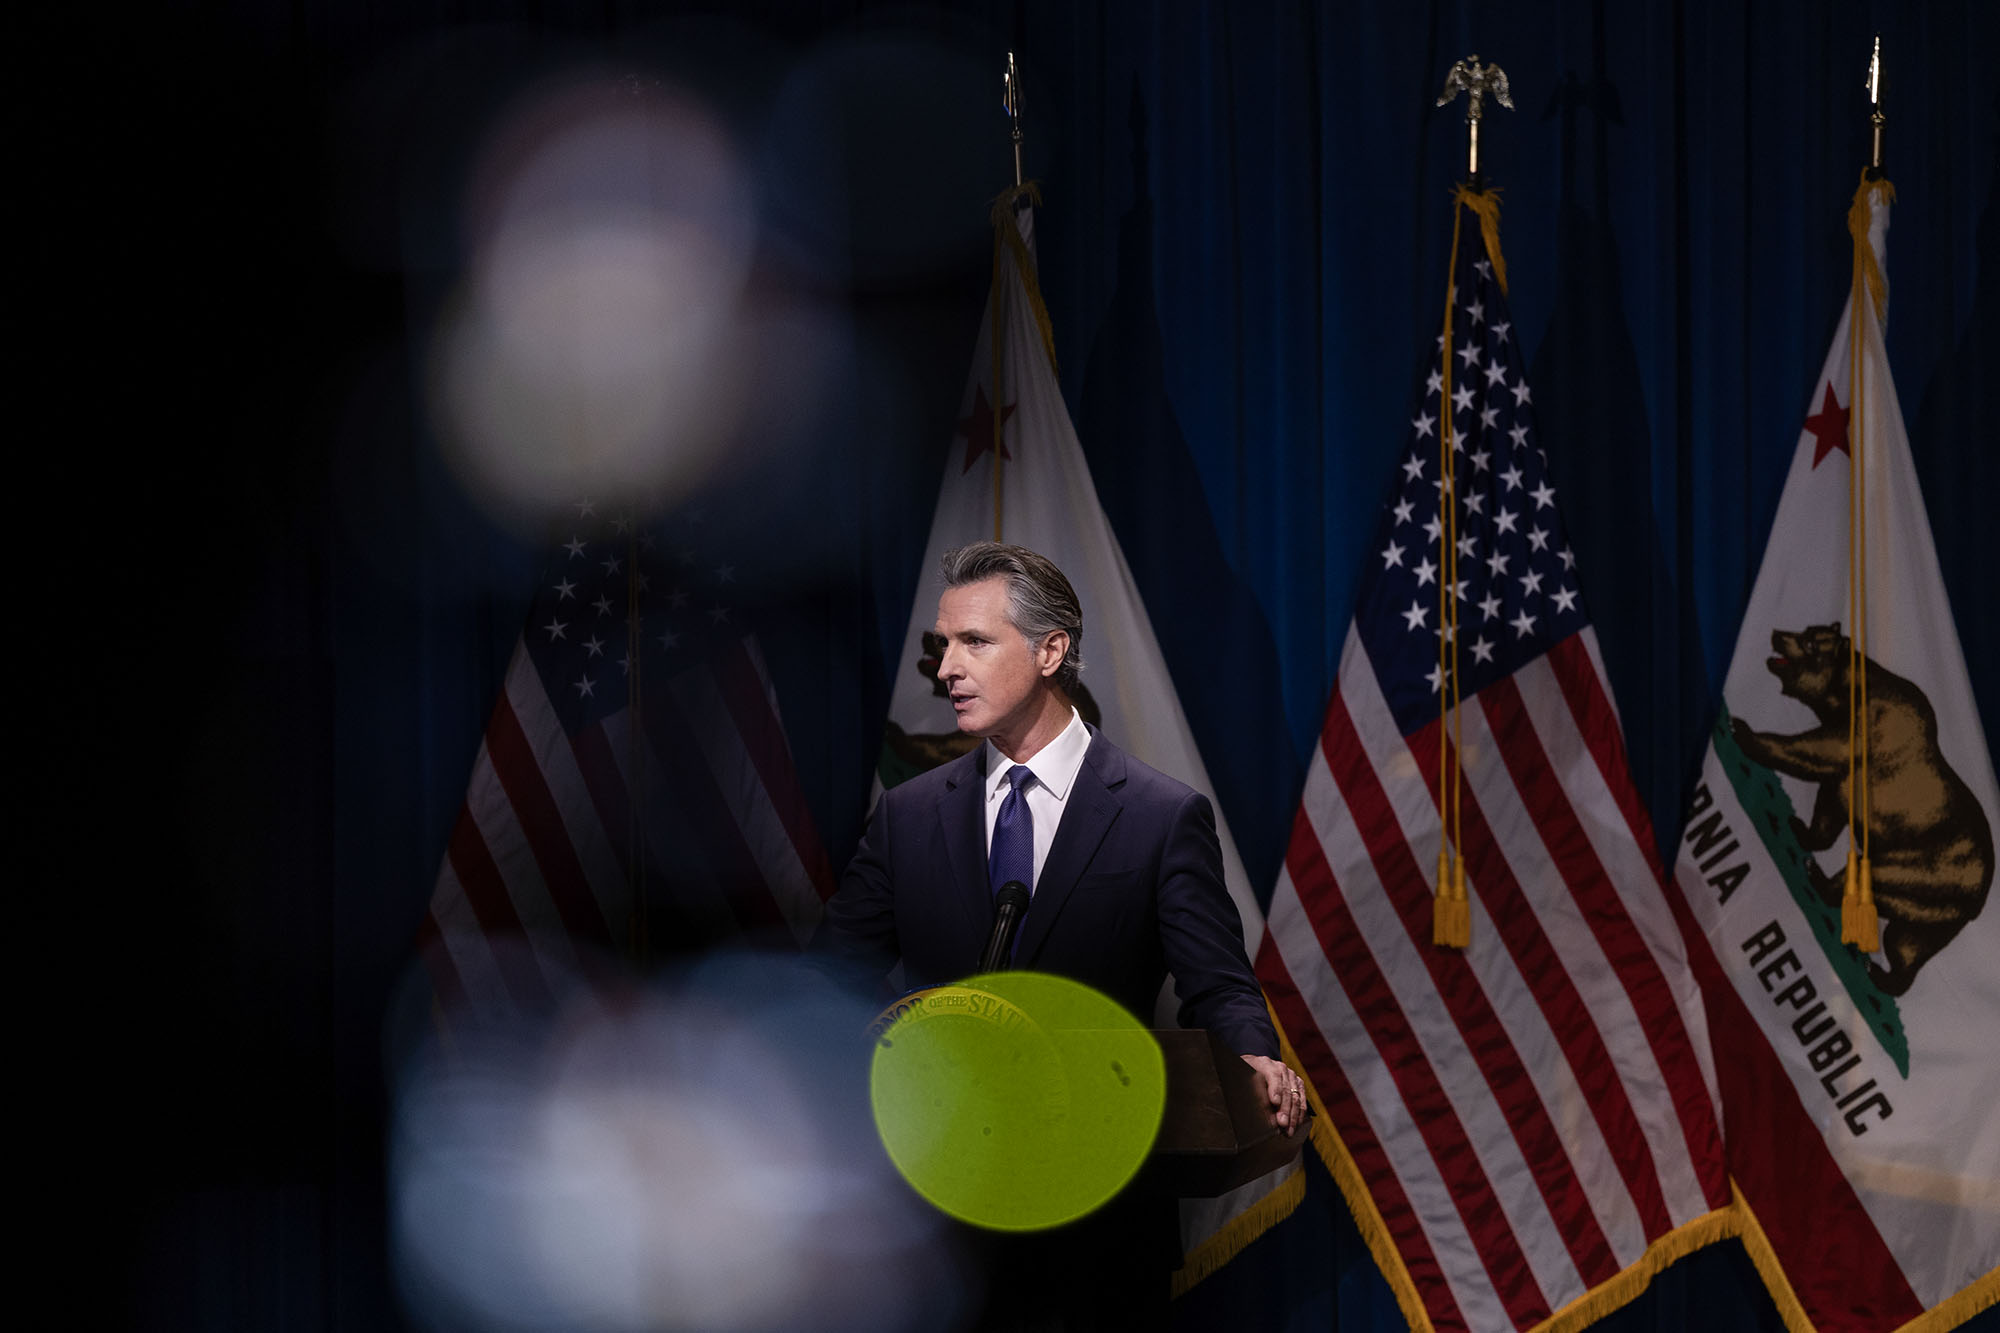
1243, 248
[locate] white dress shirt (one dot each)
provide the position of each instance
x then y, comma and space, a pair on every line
1054, 766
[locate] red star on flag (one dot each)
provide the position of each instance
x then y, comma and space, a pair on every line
978, 428
1829, 427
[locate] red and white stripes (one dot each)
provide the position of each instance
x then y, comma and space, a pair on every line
1534, 1112
538, 869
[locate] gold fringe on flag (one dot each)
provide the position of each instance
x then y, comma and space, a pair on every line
1982, 1295
1619, 1290
1239, 1231
1735, 1219
1949, 1313
1765, 1260
1360, 1201
1260, 1216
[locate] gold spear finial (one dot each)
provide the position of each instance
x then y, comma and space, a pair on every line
1876, 117
1477, 81
1012, 101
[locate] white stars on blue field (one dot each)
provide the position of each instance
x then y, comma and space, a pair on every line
1516, 590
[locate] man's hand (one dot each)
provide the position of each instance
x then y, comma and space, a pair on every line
1282, 1092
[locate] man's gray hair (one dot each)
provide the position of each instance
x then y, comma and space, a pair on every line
1039, 599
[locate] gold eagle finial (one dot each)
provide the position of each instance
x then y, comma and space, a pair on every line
1477, 82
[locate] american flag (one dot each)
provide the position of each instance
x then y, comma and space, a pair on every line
1519, 1123
635, 791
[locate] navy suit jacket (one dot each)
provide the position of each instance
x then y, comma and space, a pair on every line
1131, 890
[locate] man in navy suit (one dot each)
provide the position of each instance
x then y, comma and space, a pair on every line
1121, 861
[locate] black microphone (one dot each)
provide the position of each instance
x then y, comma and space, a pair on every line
1008, 907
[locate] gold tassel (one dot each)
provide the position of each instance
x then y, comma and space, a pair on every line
1451, 923
1850, 898
1859, 925
1451, 910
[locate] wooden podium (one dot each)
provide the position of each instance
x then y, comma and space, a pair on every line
1215, 1135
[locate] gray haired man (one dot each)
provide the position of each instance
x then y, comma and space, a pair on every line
1122, 861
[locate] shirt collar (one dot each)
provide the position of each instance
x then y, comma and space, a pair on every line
1055, 764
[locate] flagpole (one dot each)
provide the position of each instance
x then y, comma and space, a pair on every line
1876, 119
1010, 101
1011, 81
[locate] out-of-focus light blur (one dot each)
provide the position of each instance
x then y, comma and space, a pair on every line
597, 345
1016, 1101
881, 154
693, 1156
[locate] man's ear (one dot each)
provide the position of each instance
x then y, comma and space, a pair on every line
1054, 648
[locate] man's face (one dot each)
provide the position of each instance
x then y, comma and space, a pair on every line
993, 673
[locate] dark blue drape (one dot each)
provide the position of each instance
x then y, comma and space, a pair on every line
1243, 246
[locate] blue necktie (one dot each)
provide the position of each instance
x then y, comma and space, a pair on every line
1012, 855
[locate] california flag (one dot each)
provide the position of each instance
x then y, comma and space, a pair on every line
1838, 857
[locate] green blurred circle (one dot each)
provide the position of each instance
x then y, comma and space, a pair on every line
1017, 1100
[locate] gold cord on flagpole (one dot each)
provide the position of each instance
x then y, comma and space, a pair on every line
1854, 923
1850, 899
1859, 923
1864, 930
1461, 905
1451, 914
1451, 910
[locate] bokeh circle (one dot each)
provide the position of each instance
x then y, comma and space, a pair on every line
1016, 1101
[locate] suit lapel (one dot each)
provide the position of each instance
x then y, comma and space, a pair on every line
961, 813
1092, 807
